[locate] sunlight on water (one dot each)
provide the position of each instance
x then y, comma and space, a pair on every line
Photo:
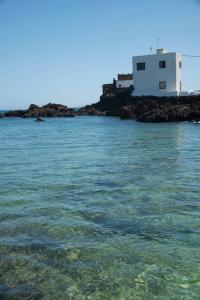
98, 208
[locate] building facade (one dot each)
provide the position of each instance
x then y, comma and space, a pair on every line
157, 74
108, 88
124, 81
123, 84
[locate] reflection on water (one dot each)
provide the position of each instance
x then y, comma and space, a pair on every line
97, 208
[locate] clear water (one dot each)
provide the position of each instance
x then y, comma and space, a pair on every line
98, 208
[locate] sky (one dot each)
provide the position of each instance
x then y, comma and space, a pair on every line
62, 51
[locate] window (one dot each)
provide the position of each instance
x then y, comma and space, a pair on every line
141, 66
162, 85
180, 86
180, 64
162, 64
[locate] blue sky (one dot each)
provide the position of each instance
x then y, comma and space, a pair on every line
64, 50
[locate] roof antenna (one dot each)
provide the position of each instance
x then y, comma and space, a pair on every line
157, 43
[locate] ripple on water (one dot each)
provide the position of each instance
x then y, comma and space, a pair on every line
97, 208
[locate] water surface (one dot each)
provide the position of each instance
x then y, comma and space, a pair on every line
98, 208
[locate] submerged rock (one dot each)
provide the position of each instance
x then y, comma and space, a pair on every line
21, 292
69, 115
3, 291
39, 119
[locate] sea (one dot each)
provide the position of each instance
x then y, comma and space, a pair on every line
99, 208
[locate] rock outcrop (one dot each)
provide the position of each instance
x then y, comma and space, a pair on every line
49, 110
143, 109
45, 111
89, 110
14, 113
151, 109
174, 113
127, 112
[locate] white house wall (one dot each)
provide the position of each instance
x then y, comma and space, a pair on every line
124, 83
179, 72
146, 82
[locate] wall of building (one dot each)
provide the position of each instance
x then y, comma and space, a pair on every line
108, 88
179, 85
146, 82
124, 83
128, 76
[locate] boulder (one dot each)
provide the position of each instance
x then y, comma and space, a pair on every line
33, 107
39, 119
127, 112
57, 107
48, 110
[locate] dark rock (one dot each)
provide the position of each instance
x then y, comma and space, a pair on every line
48, 110
173, 113
89, 110
21, 292
127, 112
57, 107
25, 293
143, 109
112, 105
3, 291
33, 106
69, 115
15, 113
39, 119
150, 108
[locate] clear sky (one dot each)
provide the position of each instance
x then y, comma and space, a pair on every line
64, 50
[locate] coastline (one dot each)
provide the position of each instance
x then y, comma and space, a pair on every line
143, 109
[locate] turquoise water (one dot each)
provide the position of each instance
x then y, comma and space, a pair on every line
98, 208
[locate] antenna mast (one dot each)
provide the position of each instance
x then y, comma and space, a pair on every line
157, 43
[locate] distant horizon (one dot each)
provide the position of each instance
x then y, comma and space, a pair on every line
64, 51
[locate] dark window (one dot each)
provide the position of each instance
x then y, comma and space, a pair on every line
141, 66
162, 64
180, 86
162, 85
180, 64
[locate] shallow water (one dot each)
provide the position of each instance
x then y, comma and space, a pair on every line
98, 208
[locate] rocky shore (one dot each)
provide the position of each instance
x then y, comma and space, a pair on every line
45, 111
151, 109
143, 109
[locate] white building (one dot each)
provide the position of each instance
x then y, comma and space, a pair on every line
157, 74
124, 81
